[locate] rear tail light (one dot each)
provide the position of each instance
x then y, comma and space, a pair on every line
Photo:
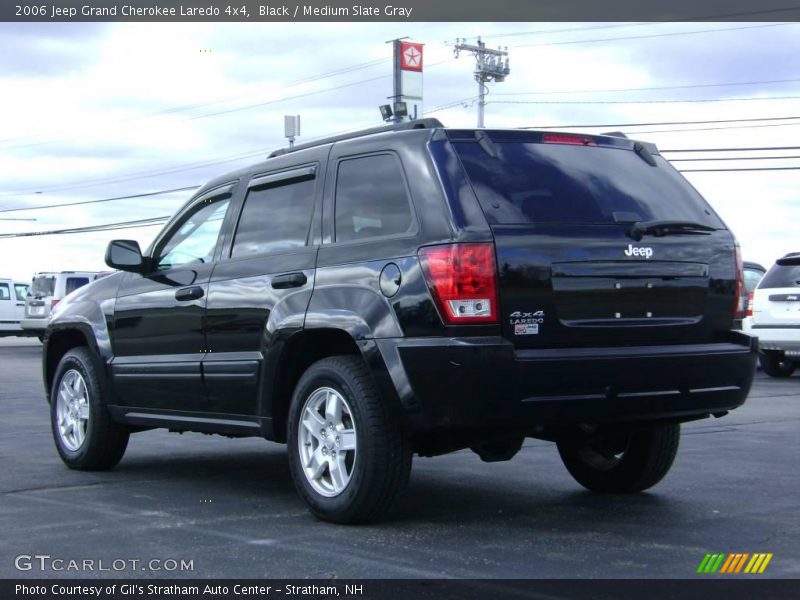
462, 279
739, 299
749, 310
53, 303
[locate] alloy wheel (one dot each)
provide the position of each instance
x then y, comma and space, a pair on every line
327, 441
72, 410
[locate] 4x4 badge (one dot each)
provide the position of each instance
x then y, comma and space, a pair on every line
526, 323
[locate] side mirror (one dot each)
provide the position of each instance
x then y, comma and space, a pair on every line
125, 255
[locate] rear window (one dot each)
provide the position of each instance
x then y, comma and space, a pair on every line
781, 276
561, 183
43, 286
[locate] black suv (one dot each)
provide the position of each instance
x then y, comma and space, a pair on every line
416, 289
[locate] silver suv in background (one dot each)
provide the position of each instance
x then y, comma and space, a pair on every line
774, 312
47, 290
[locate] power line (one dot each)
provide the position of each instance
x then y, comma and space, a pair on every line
140, 175
737, 15
145, 195
652, 35
662, 123
91, 229
246, 107
550, 31
740, 170
729, 158
761, 149
451, 105
723, 127
187, 107
151, 222
693, 101
648, 89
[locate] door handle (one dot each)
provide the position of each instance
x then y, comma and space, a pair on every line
290, 280
190, 293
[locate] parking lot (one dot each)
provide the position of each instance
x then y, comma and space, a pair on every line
229, 506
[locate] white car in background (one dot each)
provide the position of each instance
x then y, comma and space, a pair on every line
47, 290
12, 306
774, 311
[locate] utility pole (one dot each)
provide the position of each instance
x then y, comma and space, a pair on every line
491, 65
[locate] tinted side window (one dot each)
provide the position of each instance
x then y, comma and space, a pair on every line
781, 276
196, 239
5, 292
371, 198
22, 290
275, 218
73, 283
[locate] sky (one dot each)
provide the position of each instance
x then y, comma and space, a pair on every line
90, 111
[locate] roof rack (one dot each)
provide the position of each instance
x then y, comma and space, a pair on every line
416, 124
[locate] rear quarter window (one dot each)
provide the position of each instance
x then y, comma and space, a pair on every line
74, 283
371, 199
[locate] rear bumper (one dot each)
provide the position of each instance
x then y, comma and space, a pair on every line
34, 324
485, 382
777, 338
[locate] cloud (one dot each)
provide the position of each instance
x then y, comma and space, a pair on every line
41, 50
124, 100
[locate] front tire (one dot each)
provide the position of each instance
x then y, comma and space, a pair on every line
86, 437
622, 464
774, 365
349, 455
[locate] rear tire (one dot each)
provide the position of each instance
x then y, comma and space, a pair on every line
774, 365
623, 464
86, 437
351, 463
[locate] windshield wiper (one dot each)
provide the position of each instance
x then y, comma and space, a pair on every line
658, 228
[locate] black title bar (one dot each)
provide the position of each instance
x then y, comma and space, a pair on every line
389, 589
397, 10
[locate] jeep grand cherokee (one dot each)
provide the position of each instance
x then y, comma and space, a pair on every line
416, 289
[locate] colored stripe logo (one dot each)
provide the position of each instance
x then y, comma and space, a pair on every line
737, 562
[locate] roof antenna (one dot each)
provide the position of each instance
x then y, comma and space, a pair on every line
291, 128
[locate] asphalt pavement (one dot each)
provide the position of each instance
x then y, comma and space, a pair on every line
227, 507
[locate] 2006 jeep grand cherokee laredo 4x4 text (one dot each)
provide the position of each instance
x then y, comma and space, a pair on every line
416, 289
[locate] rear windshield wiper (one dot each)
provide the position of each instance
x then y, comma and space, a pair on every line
486, 143
658, 228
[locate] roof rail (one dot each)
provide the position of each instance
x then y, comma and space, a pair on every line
416, 124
